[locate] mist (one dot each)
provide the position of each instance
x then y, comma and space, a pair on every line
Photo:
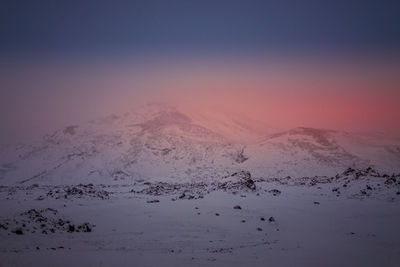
351, 95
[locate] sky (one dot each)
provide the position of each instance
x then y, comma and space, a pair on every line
333, 64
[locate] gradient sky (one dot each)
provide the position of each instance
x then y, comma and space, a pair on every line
148, 26
333, 64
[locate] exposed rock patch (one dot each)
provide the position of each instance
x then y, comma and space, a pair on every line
77, 191
44, 221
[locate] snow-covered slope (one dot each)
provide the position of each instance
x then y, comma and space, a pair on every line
162, 143
308, 151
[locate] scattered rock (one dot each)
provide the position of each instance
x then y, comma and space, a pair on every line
221, 250
239, 156
275, 192
18, 231
245, 179
77, 191
237, 207
70, 129
47, 220
183, 190
271, 219
349, 171
390, 180
363, 192
165, 151
186, 196
71, 228
85, 227
153, 201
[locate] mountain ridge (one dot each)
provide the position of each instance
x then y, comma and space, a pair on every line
163, 143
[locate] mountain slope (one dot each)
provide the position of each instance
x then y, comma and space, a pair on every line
163, 143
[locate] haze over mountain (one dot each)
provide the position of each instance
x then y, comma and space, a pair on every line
159, 142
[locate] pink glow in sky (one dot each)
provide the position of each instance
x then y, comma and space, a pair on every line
342, 95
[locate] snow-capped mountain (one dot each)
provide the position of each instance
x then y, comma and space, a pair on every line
307, 151
164, 143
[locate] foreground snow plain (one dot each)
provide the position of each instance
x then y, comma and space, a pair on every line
311, 226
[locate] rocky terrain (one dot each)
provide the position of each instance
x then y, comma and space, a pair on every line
161, 185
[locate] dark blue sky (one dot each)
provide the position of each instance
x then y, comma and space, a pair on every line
137, 27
